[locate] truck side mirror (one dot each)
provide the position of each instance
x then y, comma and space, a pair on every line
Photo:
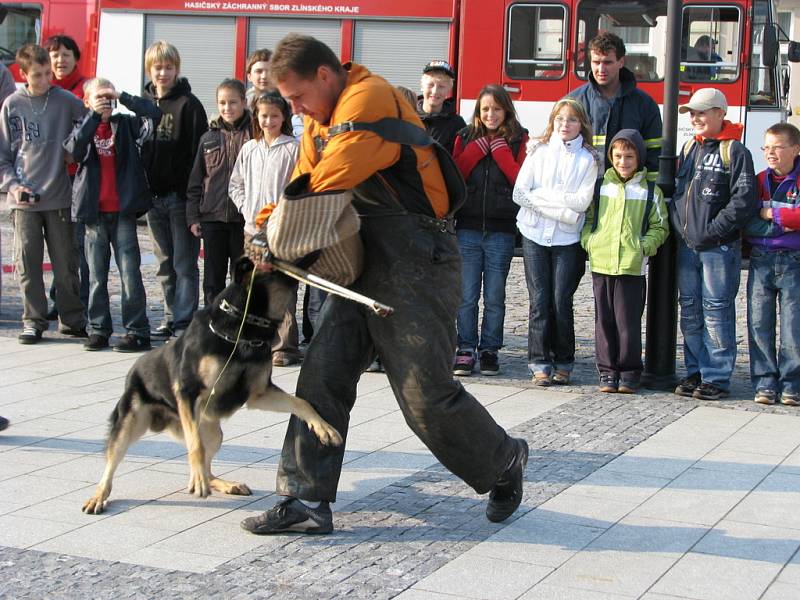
769, 46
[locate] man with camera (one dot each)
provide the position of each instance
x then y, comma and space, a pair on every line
34, 121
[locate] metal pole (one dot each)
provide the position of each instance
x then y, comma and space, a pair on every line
662, 296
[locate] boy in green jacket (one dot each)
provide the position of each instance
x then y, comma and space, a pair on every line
626, 224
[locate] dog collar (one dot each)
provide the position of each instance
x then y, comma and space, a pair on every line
241, 341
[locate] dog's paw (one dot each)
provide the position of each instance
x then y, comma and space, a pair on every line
326, 434
199, 485
234, 488
94, 505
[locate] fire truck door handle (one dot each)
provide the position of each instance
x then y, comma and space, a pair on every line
511, 89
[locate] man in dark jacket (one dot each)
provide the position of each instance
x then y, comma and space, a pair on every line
170, 156
715, 197
109, 192
435, 107
613, 102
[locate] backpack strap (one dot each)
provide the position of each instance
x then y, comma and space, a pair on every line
651, 192
596, 204
725, 152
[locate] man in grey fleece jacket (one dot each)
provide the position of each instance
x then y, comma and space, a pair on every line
34, 122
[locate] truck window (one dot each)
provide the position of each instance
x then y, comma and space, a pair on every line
22, 25
535, 42
763, 85
710, 43
642, 25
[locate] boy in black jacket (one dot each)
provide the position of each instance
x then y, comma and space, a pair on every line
170, 156
109, 192
715, 197
210, 212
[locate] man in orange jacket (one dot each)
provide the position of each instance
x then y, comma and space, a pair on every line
410, 258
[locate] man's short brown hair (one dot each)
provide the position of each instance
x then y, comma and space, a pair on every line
29, 54
605, 42
261, 55
302, 55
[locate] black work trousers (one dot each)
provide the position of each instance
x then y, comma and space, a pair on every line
618, 308
223, 244
415, 267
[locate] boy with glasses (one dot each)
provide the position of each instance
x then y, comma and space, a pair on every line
774, 274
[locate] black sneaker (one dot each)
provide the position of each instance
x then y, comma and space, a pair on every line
506, 494
489, 363
78, 332
29, 335
291, 516
709, 391
464, 363
688, 385
162, 331
3, 423
132, 343
609, 383
96, 342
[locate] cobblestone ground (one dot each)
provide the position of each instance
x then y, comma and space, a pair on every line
396, 536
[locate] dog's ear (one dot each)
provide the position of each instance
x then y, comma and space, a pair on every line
242, 269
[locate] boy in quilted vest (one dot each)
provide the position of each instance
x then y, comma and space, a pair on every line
624, 226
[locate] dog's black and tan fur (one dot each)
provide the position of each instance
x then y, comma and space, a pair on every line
171, 387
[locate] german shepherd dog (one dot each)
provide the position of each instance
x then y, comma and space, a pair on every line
186, 387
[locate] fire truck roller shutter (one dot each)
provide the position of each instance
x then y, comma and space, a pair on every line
397, 50
207, 48
267, 32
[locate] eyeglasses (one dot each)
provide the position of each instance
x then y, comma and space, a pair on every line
567, 120
768, 149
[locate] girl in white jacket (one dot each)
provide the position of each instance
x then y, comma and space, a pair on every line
263, 168
554, 189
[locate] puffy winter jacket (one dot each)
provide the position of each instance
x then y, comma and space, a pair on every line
616, 245
781, 198
490, 176
130, 133
630, 109
207, 196
714, 201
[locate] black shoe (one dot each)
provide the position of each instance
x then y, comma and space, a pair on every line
489, 363
688, 385
96, 342
3, 423
709, 391
76, 333
506, 494
291, 516
132, 343
162, 331
29, 335
52, 315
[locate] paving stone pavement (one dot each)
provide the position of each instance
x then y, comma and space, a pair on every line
650, 489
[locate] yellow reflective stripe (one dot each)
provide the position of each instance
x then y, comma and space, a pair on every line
598, 140
653, 143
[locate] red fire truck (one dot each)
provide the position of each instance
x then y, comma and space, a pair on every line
534, 48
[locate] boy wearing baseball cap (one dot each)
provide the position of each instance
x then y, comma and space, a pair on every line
435, 107
715, 196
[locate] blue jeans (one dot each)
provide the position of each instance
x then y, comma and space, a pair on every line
552, 274
117, 232
774, 276
707, 284
485, 259
177, 252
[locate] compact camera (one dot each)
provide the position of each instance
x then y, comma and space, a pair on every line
28, 197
